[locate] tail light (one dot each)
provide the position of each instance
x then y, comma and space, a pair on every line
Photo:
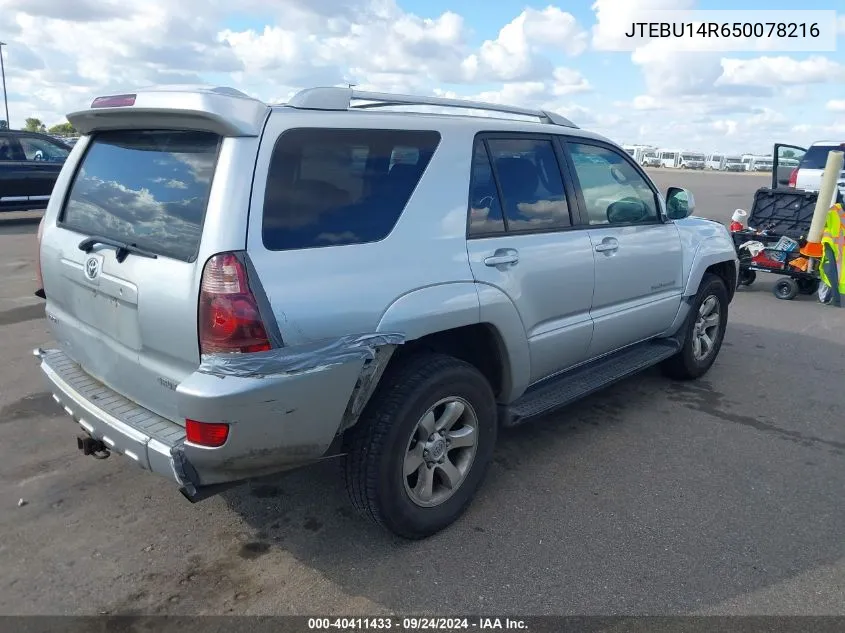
38, 278
211, 434
793, 178
229, 319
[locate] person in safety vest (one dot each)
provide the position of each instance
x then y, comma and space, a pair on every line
832, 269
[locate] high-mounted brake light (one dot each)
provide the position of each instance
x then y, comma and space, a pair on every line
113, 101
229, 319
211, 434
793, 178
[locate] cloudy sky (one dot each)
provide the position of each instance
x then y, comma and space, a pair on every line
61, 53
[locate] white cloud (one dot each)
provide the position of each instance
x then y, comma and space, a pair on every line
840, 25
836, 105
782, 70
514, 55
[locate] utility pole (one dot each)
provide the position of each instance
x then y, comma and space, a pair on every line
5, 93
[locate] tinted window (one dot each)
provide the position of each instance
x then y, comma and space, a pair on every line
328, 187
529, 177
146, 188
485, 210
614, 192
41, 149
10, 149
816, 156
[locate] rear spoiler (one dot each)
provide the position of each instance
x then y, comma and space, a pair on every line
223, 111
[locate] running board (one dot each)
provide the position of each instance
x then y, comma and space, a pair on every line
554, 393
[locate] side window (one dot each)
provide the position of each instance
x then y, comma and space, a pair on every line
614, 192
40, 149
10, 149
532, 186
485, 210
328, 187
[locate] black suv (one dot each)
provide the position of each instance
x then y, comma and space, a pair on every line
29, 165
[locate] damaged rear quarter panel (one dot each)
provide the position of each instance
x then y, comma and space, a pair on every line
277, 421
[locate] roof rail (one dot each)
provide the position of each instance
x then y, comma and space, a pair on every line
339, 98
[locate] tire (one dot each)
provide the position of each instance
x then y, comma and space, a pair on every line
785, 288
383, 440
687, 364
747, 277
808, 286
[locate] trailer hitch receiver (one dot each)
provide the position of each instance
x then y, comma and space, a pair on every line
92, 446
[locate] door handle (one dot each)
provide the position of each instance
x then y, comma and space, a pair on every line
501, 257
608, 246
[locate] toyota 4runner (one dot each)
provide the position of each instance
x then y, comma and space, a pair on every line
237, 289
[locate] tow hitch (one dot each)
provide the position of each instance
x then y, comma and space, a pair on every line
91, 446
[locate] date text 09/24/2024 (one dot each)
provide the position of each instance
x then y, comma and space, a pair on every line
723, 30
416, 624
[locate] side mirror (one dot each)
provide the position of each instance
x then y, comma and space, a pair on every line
680, 203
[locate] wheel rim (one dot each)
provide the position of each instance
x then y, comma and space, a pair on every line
440, 452
706, 328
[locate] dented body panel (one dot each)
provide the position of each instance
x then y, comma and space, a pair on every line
285, 410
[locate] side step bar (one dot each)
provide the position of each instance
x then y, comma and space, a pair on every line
559, 391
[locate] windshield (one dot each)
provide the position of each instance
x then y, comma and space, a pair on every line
650, 155
148, 188
733, 161
693, 156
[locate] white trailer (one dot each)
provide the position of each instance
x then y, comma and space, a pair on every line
691, 160
636, 151
761, 163
668, 158
715, 162
747, 159
650, 158
733, 163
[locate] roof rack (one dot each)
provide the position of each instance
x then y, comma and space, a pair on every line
340, 98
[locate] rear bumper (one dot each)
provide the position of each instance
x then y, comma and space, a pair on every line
276, 422
127, 429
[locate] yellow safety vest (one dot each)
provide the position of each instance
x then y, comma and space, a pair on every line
834, 235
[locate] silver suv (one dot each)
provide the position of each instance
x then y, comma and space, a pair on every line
237, 289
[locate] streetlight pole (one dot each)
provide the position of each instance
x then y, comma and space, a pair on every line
5, 93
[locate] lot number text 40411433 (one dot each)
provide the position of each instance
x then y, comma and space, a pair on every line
417, 624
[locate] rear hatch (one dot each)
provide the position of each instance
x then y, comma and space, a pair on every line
128, 316
812, 166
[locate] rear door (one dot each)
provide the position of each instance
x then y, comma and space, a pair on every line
132, 323
44, 160
14, 174
786, 159
523, 241
638, 254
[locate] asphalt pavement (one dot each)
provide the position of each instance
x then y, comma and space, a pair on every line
723, 496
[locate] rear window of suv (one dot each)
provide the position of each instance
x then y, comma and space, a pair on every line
329, 187
147, 188
816, 156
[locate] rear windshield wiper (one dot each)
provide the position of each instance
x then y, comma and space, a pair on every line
123, 248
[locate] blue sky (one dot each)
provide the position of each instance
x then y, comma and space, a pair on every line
541, 54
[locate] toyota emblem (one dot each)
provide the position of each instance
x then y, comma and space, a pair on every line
92, 268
